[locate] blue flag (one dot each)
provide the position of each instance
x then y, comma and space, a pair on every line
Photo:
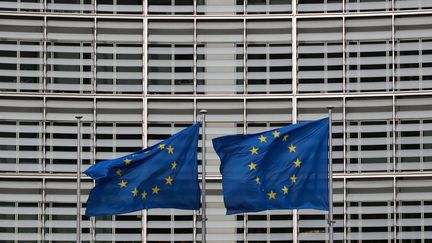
164, 175
285, 168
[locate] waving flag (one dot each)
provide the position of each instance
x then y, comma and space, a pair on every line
162, 176
285, 168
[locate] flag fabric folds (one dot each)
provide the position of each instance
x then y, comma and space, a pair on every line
285, 168
164, 175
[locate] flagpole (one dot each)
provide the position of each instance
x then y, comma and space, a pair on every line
330, 216
78, 220
203, 179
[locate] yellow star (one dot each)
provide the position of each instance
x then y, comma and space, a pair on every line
285, 138
252, 166
293, 179
285, 190
135, 192
297, 163
119, 172
276, 134
257, 180
127, 161
169, 180
292, 148
122, 184
173, 165
271, 195
170, 149
254, 150
262, 139
155, 190
161, 146
144, 195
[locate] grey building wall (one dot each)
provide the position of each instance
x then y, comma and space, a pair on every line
140, 71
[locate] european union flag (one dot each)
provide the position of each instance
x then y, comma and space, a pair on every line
285, 168
164, 175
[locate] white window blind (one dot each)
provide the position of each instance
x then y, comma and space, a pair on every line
59, 29
21, 66
61, 146
119, 7
70, 6
10, 5
368, 5
413, 133
319, 6
170, 6
21, 28
21, 146
268, 7
119, 110
163, 31
412, 4
220, 68
370, 209
119, 30
219, 7
21, 109
69, 67
119, 68
170, 69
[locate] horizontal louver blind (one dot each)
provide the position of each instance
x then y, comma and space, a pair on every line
170, 68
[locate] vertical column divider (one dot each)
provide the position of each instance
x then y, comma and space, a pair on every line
394, 166
43, 165
78, 180
195, 212
344, 57
393, 54
194, 92
94, 56
94, 91
43, 210
344, 168
144, 212
330, 169
93, 219
245, 215
203, 181
195, 69
44, 88
45, 62
393, 122
294, 93
144, 142
244, 56
394, 210
344, 123
145, 55
245, 75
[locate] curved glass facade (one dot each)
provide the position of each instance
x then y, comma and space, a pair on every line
140, 71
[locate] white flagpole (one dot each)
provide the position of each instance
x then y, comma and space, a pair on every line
203, 179
78, 220
330, 214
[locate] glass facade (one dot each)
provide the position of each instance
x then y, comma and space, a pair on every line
139, 71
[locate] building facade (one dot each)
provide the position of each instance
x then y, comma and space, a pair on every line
140, 71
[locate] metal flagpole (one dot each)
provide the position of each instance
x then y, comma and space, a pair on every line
330, 216
78, 221
203, 179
